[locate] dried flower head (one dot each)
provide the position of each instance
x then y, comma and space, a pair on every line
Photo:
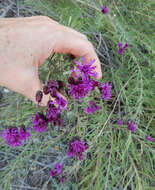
39, 96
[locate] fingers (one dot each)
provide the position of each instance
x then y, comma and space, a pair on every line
67, 42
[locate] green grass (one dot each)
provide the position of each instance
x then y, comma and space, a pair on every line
116, 159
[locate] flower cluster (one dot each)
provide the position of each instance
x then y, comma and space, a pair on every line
77, 147
83, 84
53, 108
14, 136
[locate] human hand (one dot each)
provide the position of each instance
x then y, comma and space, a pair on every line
25, 43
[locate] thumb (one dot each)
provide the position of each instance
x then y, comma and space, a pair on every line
35, 86
30, 90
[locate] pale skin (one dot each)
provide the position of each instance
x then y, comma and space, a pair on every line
25, 43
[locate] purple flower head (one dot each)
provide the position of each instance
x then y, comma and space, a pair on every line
131, 126
53, 113
80, 88
11, 136
92, 108
120, 51
105, 90
62, 180
77, 148
53, 173
85, 70
120, 122
120, 45
61, 102
23, 133
149, 138
104, 10
57, 170
40, 123
121, 48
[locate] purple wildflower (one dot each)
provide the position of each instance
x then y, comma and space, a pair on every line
62, 180
77, 148
40, 123
92, 108
23, 133
79, 88
121, 48
104, 10
131, 126
53, 173
60, 102
53, 114
149, 138
85, 70
105, 90
57, 170
13, 137
120, 122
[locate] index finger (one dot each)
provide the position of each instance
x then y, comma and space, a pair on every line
73, 44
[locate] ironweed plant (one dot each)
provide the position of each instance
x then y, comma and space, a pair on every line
102, 136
